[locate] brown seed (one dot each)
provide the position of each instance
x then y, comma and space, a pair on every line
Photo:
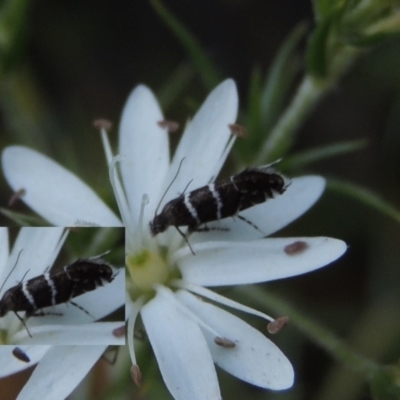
294, 248
20, 354
223, 342
119, 332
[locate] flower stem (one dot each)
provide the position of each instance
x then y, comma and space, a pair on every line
310, 91
318, 334
283, 134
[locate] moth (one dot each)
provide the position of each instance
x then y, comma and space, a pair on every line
56, 287
223, 199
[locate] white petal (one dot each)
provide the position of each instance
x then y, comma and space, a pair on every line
204, 141
52, 191
182, 353
60, 371
254, 359
38, 246
10, 364
270, 216
144, 146
234, 263
98, 333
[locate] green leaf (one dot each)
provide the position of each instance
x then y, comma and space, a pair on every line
317, 49
174, 86
321, 153
281, 76
23, 219
364, 196
324, 8
266, 99
13, 17
199, 57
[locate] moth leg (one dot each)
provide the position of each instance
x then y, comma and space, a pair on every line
250, 223
43, 314
81, 308
185, 239
206, 228
23, 323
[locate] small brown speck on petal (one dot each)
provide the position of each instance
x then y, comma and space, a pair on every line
294, 248
223, 342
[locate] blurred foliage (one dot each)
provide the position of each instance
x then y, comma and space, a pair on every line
63, 64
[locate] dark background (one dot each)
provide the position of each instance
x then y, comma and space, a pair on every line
78, 60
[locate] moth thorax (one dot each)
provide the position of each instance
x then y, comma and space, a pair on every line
159, 224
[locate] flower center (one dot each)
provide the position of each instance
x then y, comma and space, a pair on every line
147, 269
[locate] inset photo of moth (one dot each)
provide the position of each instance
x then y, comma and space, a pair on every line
62, 286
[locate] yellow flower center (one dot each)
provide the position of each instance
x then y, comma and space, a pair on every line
147, 269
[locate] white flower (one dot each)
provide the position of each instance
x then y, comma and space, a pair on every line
40, 247
166, 276
33, 252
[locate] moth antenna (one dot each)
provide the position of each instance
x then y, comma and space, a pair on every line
12, 269
166, 190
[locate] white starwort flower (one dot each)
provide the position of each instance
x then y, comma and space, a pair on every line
40, 247
166, 276
34, 251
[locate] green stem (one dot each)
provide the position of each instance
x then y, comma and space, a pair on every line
282, 136
310, 91
318, 334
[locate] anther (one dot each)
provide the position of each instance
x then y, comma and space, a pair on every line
277, 325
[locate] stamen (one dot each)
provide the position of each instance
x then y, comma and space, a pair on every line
16, 196
238, 130
168, 294
136, 306
171, 126
104, 126
277, 325
145, 201
121, 198
136, 375
224, 155
201, 291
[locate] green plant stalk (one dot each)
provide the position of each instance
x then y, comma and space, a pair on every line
310, 91
318, 334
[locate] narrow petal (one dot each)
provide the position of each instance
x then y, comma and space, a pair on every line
254, 359
10, 364
98, 333
144, 146
52, 191
60, 371
270, 216
235, 263
204, 141
182, 353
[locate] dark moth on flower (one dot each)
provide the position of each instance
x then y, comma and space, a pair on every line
56, 287
223, 199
